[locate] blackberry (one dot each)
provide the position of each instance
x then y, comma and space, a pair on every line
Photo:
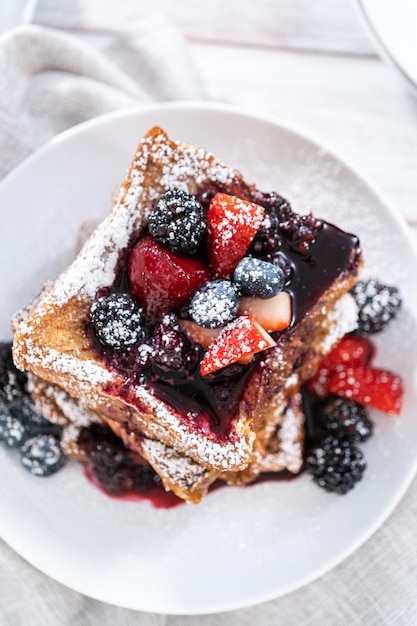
215, 304
116, 469
41, 455
267, 239
172, 348
378, 304
300, 231
258, 278
116, 321
12, 381
272, 202
336, 465
133, 361
348, 419
177, 222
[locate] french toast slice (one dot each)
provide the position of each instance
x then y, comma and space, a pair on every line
178, 473
54, 341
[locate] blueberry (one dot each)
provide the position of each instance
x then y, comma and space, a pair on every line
42, 455
177, 222
258, 278
116, 320
215, 304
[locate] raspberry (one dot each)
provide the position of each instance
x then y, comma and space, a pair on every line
116, 321
335, 465
377, 388
346, 418
215, 304
177, 222
378, 304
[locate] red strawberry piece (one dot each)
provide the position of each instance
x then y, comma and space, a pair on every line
159, 280
350, 351
379, 389
241, 338
232, 224
273, 313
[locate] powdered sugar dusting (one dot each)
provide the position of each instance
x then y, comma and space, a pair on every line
226, 456
179, 469
342, 319
88, 373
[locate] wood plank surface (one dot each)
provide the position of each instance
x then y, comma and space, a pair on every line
322, 25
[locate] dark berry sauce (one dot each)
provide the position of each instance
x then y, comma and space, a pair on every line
158, 496
333, 253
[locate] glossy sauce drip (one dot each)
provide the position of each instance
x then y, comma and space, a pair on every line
333, 253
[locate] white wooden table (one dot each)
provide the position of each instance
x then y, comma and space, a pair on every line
308, 63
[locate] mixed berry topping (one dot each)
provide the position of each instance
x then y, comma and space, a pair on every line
41, 455
212, 278
177, 222
116, 469
257, 278
116, 320
215, 304
378, 304
336, 465
348, 419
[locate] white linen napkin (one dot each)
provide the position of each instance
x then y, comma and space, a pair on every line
50, 81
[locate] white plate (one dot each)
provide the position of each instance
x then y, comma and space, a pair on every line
238, 547
393, 27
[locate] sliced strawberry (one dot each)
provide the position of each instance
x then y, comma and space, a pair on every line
232, 224
273, 313
241, 338
377, 388
350, 351
161, 281
199, 334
